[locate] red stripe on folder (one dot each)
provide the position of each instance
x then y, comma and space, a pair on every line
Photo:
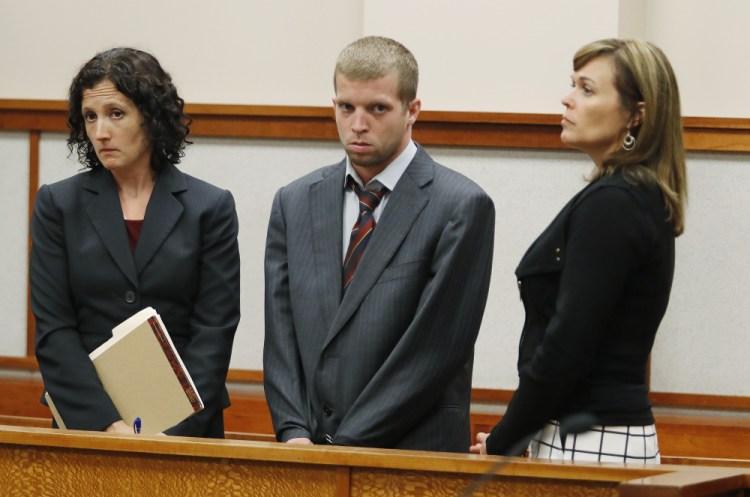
192, 395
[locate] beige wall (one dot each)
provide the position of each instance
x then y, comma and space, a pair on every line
709, 45
489, 55
475, 55
492, 55
221, 51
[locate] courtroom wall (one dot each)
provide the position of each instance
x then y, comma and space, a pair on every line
698, 348
477, 55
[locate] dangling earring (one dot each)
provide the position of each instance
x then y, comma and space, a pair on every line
628, 143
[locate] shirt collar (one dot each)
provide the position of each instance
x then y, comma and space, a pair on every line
390, 175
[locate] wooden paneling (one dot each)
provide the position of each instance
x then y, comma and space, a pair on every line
23, 363
248, 413
459, 129
700, 401
659, 399
25, 421
704, 436
21, 397
248, 418
705, 461
684, 435
34, 139
491, 395
35, 461
245, 375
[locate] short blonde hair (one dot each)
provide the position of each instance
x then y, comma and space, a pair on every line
643, 74
374, 57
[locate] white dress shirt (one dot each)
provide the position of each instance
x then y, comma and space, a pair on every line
387, 178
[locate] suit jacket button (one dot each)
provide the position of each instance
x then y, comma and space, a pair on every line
130, 296
327, 410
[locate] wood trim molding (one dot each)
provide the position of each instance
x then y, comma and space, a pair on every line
19, 363
481, 395
459, 129
34, 140
245, 376
491, 395
700, 401
248, 418
659, 399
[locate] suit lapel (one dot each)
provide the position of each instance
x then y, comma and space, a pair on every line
326, 214
541, 255
404, 205
105, 214
162, 213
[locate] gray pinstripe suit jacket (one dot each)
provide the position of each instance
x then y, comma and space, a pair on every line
85, 280
389, 363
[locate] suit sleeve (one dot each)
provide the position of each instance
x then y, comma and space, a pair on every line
68, 373
440, 339
283, 376
607, 236
215, 314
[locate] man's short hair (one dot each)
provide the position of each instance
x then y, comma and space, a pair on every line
374, 57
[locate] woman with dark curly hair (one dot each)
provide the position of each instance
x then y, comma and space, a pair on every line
130, 232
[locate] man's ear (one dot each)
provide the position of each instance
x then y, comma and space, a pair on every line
413, 110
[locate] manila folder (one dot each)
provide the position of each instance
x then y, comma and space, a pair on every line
144, 376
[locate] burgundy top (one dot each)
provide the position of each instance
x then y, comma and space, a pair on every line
134, 231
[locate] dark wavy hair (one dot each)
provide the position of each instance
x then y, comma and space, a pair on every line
140, 77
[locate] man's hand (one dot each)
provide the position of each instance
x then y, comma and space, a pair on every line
299, 441
481, 446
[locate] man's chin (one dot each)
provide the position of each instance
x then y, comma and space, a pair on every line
363, 160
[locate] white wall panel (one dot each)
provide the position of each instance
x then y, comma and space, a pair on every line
253, 170
14, 194
700, 348
703, 343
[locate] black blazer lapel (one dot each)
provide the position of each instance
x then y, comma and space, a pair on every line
162, 213
326, 214
105, 213
404, 205
547, 253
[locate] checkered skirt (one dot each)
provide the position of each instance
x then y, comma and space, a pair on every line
631, 444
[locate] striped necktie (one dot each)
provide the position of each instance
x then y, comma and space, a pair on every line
362, 230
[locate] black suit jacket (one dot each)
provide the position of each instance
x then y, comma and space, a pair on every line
85, 280
595, 286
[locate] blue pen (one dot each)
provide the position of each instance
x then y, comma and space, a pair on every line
137, 425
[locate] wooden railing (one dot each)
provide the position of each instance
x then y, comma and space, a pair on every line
694, 436
38, 461
459, 129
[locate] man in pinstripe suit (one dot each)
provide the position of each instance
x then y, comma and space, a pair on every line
377, 353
